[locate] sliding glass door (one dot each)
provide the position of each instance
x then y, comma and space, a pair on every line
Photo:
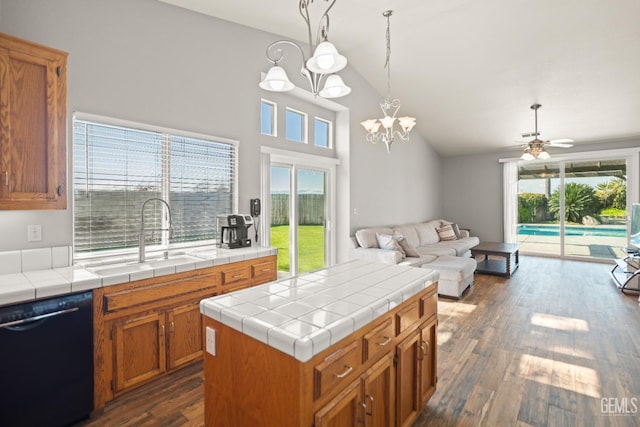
299, 217
575, 209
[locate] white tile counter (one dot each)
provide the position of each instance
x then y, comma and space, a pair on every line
35, 274
305, 315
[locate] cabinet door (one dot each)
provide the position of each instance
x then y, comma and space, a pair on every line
378, 393
32, 126
407, 378
185, 335
139, 346
428, 364
345, 410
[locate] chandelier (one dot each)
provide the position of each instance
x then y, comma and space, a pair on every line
390, 107
317, 69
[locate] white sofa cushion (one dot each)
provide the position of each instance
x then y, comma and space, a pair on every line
366, 237
387, 241
408, 231
427, 233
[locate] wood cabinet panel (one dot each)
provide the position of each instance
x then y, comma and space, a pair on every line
407, 317
336, 369
33, 115
185, 335
378, 393
139, 347
377, 340
345, 410
407, 376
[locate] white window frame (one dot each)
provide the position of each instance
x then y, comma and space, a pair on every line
274, 117
165, 131
305, 125
329, 124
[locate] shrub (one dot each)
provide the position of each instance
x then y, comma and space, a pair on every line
532, 207
579, 200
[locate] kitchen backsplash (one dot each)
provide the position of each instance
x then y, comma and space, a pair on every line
20, 261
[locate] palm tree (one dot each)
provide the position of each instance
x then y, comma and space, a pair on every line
613, 193
579, 200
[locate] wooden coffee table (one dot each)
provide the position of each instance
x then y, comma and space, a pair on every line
505, 252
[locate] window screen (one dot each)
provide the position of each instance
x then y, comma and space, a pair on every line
117, 168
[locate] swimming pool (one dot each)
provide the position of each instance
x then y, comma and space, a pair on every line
572, 230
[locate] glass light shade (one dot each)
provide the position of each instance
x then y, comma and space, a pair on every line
276, 80
387, 122
543, 155
326, 59
334, 87
527, 156
407, 123
371, 125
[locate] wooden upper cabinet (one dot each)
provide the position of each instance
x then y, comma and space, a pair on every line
33, 114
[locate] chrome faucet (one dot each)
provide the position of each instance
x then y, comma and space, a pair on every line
141, 237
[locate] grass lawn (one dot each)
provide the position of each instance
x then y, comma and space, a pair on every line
310, 246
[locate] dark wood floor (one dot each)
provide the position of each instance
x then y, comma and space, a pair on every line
555, 345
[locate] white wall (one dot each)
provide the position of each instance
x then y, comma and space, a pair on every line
472, 188
150, 62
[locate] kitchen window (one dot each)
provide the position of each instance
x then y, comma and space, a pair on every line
118, 165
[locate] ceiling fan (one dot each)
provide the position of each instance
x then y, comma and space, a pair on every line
534, 149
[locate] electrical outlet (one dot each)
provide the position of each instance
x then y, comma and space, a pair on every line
34, 233
211, 341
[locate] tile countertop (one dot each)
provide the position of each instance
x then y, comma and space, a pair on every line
37, 284
303, 315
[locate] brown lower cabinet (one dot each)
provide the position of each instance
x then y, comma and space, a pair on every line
146, 328
380, 375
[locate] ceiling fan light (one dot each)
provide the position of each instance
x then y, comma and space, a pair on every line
326, 59
544, 155
334, 87
527, 156
276, 80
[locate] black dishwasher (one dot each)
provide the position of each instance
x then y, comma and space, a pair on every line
46, 361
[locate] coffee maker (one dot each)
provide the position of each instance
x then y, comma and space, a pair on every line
233, 231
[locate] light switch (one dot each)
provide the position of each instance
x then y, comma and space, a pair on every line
34, 233
211, 341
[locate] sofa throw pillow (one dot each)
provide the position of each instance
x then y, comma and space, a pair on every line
386, 241
408, 249
456, 230
445, 232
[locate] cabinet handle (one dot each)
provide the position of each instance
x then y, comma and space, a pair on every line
172, 327
238, 276
422, 350
59, 190
266, 270
6, 178
364, 413
162, 330
386, 341
345, 373
370, 412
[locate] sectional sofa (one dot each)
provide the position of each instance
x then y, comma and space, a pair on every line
438, 245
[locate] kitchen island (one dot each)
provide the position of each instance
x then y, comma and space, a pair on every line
355, 342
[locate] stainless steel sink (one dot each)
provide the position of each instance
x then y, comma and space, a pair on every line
133, 267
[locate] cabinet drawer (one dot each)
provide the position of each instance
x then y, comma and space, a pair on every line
235, 276
262, 269
407, 317
377, 340
429, 305
336, 369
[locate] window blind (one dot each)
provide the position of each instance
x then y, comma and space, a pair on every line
117, 168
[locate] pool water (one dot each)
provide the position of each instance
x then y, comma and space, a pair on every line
572, 230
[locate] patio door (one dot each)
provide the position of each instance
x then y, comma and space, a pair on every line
574, 208
299, 199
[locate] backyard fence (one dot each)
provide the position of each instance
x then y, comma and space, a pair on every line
311, 209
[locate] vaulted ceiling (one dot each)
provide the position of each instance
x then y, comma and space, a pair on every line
468, 70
